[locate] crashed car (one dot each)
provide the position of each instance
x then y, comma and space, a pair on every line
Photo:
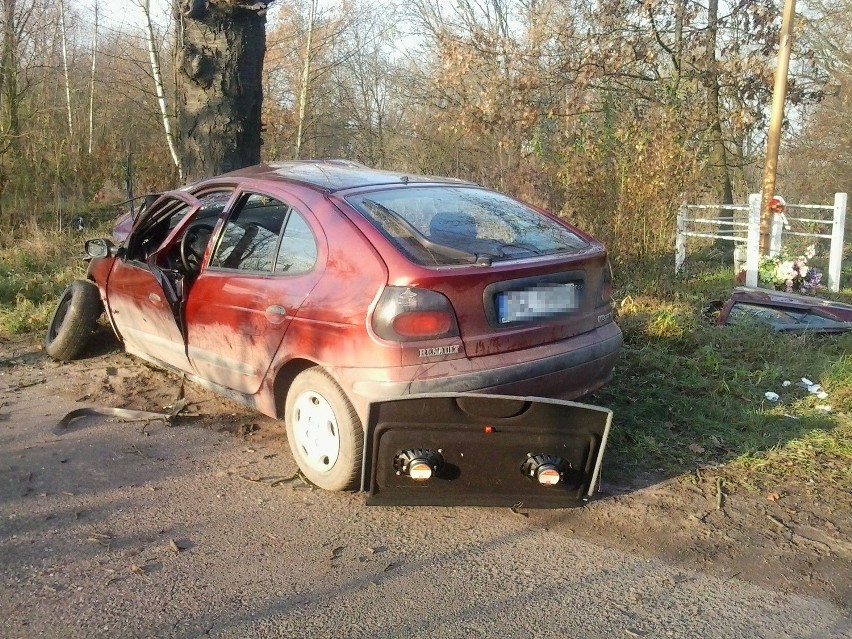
314, 290
781, 311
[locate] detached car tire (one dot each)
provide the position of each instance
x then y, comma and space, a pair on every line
74, 320
324, 432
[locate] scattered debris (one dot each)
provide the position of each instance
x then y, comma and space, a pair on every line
720, 493
516, 508
805, 383
277, 480
777, 522
175, 547
101, 539
244, 431
176, 408
25, 385
135, 451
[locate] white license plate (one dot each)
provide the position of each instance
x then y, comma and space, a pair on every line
537, 302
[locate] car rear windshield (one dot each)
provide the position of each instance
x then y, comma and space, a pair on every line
462, 225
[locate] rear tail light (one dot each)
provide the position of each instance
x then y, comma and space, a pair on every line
605, 294
406, 314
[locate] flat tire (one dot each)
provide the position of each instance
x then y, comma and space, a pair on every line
74, 320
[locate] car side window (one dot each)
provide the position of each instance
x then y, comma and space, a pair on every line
250, 237
297, 252
149, 237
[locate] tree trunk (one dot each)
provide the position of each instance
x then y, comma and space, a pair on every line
10, 128
220, 61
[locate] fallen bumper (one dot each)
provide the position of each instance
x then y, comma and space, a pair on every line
483, 450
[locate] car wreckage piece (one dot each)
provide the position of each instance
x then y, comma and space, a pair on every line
782, 312
483, 450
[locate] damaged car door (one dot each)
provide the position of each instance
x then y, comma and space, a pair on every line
146, 285
262, 267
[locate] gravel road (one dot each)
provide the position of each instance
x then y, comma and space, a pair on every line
132, 529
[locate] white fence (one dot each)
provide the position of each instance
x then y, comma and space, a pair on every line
694, 220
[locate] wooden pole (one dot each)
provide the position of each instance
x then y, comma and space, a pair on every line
773, 142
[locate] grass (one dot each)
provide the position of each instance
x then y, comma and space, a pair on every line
37, 262
34, 270
685, 395
688, 395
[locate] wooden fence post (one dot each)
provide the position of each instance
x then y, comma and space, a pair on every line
753, 245
680, 239
836, 251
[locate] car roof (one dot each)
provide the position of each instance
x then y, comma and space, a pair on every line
335, 175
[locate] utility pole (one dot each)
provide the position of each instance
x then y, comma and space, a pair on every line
773, 142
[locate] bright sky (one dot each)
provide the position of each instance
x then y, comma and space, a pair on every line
117, 13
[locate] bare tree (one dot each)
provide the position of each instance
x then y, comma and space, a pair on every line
64, 32
305, 81
158, 83
92, 79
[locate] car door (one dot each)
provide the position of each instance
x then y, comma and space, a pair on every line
261, 269
143, 293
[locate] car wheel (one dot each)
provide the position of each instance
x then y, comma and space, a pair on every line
74, 320
324, 431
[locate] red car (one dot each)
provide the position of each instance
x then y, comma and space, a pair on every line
309, 290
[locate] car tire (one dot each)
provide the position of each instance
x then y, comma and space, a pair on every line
74, 320
324, 431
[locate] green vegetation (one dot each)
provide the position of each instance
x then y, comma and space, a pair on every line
686, 394
34, 270
37, 262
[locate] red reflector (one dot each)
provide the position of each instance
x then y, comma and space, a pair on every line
422, 324
489, 429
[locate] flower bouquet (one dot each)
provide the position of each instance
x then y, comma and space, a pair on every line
790, 274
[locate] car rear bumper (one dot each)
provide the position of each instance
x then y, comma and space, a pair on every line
566, 370
483, 450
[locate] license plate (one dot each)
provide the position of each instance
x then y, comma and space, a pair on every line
536, 302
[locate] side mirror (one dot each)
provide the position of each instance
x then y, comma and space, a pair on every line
100, 248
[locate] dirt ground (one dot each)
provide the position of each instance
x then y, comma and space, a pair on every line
795, 540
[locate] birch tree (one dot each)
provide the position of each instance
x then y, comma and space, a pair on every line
158, 84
